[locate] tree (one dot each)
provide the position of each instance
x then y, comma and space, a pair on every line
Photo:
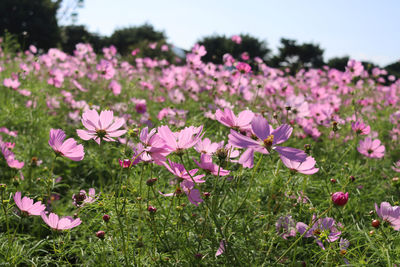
32, 21
296, 56
218, 45
126, 38
74, 34
338, 63
394, 69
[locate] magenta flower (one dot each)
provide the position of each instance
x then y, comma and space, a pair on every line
340, 198
101, 127
243, 67
56, 223
228, 118
360, 128
371, 148
267, 140
389, 214
26, 205
68, 149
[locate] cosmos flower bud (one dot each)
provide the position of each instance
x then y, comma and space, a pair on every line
151, 181
100, 234
126, 163
151, 209
340, 198
375, 223
106, 217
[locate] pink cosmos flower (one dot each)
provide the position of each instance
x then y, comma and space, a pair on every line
151, 148
207, 165
286, 226
243, 67
106, 69
26, 205
267, 140
205, 146
221, 248
11, 83
83, 198
360, 128
396, 166
324, 228
179, 141
68, 149
10, 157
228, 118
371, 148
56, 223
236, 39
100, 127
115, 87
305, 167
179, 171
389, 214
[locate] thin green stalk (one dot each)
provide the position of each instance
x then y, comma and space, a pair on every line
247, 193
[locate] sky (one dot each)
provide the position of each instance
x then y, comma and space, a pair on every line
362, 29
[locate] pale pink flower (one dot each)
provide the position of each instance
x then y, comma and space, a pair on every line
26, 205
228, 118
101, 127
221, 248
389, 214
371, 148
236, 39
56, 223
179, 141
69, 148
360, 128
305, 167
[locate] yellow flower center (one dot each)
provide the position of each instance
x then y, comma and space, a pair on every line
268, 141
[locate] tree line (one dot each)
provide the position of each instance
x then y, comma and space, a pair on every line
35, 22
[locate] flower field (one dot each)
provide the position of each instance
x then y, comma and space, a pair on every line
111, 161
